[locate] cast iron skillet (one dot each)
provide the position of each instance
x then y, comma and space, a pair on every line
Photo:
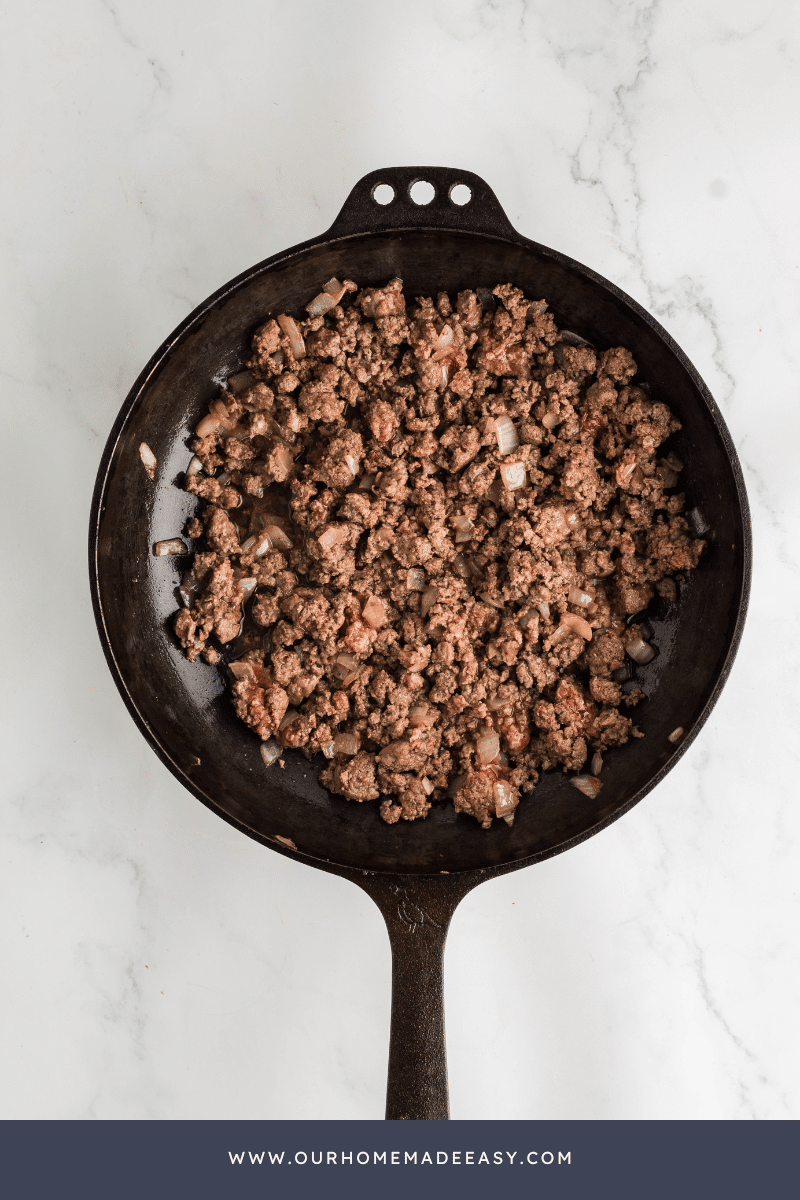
416, 873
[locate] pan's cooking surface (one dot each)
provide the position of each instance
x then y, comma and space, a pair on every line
183, 708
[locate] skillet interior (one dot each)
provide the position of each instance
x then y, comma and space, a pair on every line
182, 708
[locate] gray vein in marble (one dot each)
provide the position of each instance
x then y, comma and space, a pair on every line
684, 294
161, 76
758, 483
713, 1007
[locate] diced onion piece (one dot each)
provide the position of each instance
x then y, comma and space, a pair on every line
513, 475
374, 612
624, 472
208, 425
224, 479
277, 431
573, 339
331, 536
296, 343
463, 527
240, 382
455, 785
487, 747
543, 609
462, 567
327, 749
506, 798
273, 518
597, 763
352, 464
172, 546
590, 785
365, 483
218, 410
195, 466
639, 650
579, 597
495, 703
427, 786
491, 601
247, 587
507, 439
550, 420
264, 544
676, 734
575, 624
334, 288
415, 580
244, 672
429, 598
422, 714
443, 344
270, 751
291, 716
697, 522
503, 759
344, 664
351, 678
346, 744
191, 587
509, 819
149, 460
667, 475
320, 305
282, 457
278, 537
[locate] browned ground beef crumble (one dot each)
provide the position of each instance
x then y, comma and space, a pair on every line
438, 610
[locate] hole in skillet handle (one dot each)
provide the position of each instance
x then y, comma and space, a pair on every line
422, 192
434, 197
383, 193
460, 194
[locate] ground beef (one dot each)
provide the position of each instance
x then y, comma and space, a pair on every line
426, 531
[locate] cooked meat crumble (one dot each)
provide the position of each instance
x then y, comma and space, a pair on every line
427, 530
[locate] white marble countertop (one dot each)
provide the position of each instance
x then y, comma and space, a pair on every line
157, 964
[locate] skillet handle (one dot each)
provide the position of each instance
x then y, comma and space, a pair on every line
362, 213
417, 910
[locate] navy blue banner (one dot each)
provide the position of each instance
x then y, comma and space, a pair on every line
659, 1160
